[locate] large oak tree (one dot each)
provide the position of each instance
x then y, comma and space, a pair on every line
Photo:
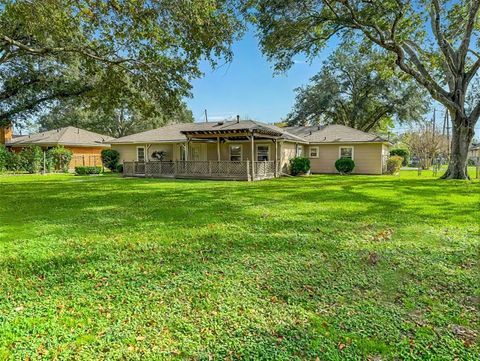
53, 50
349, 90
435, 42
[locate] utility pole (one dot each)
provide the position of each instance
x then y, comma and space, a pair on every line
433, 126
445, 123
448, 133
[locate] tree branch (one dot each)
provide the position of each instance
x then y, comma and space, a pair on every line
474, 115
444, 45
32, 104
47, 50
472, 18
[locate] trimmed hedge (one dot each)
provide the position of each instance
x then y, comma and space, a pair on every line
110, 159
394, 164
345, 165
299, 165
88, 170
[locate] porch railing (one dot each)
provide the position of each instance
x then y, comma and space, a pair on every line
264, 170
241, 170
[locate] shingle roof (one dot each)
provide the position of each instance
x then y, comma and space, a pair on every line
68, 136
311, 134
335, 133
168, 133
176, 132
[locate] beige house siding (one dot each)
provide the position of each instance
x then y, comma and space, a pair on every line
367, 157
288, 152
385, 155
128, 152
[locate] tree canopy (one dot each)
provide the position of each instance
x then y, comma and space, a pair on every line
435, 42
148, 51
350, 90
115, 122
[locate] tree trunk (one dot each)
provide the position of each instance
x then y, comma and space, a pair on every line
461, 138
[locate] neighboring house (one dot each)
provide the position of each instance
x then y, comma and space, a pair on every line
86, 146
245, 150
474, 153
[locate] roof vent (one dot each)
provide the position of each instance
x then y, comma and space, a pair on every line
238, 118
310, 132
220, 123
318, 127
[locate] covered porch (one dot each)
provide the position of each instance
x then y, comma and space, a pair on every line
234, 154
192, 169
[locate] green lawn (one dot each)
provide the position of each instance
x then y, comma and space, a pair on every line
333, 267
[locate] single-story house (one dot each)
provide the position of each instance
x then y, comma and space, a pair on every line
86, 146
474, 153
245, 150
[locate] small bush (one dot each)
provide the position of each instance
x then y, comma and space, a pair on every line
470, 162
393, 164
110, 159
88, 170
32, 159
3, 158
14, 162
345, 165
119, 168
299, 165
401, 152
59, 158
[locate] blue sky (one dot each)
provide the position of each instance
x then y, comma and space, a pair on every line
248, 86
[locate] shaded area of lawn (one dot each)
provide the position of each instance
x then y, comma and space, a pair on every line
326, 266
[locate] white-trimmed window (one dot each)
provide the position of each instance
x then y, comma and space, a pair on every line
263, 152
299, 150
314, 152
235, 152
140, 154
346, 152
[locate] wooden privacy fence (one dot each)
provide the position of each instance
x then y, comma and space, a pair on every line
86, 160
235, 170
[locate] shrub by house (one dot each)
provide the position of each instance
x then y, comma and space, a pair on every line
299, 165
345, 165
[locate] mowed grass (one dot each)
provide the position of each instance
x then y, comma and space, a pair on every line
320, 267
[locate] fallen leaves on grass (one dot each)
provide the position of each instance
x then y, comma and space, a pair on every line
373, 258
468, 336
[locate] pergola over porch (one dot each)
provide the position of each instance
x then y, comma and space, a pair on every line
237, 133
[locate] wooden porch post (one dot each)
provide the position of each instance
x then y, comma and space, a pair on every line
276, 158
186, 149
253, 155
218, 148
